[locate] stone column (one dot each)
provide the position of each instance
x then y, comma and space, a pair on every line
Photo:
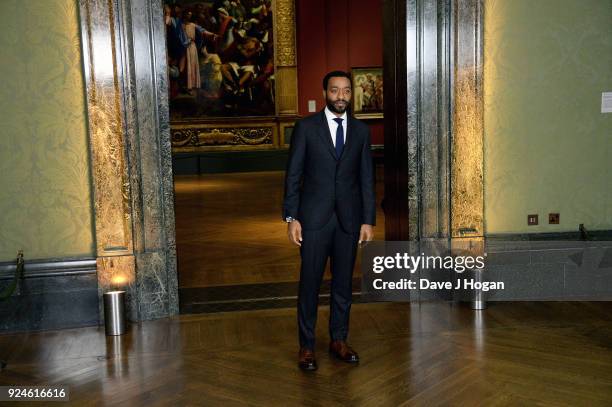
125, 73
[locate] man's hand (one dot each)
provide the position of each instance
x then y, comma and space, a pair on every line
366, 233
294, 230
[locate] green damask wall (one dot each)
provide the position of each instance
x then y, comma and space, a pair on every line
548, 147
45, 192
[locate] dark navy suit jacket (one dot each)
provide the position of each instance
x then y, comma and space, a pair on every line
317, 183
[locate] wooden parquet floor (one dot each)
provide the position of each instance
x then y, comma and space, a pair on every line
229, 229
432, 354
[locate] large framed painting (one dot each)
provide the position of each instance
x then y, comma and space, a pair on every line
220, 58
367, 92
232, 71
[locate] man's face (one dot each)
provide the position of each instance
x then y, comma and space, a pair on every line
338, 94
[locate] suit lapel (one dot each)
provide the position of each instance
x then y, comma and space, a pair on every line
326, 135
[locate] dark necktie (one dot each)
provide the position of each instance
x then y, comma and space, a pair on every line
339, 137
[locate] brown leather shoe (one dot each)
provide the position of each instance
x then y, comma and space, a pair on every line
307, 359
342, 351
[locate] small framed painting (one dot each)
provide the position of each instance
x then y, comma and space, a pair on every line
367, 92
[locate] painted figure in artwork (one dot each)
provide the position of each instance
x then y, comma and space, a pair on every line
191, 60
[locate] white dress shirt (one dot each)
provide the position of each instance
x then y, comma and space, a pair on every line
333, 126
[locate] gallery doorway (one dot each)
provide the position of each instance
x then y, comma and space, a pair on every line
232, 248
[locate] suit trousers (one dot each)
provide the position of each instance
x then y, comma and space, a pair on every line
333, 242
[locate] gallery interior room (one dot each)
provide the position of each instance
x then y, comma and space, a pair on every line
144, 258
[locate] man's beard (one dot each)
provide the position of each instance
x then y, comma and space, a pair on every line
340, 108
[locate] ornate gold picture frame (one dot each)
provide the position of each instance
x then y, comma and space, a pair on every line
367, 92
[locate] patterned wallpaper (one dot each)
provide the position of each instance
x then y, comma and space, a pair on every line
45, 193
548, 147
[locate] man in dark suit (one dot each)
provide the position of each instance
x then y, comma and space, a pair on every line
330, 208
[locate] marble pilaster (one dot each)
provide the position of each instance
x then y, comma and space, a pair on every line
125, 73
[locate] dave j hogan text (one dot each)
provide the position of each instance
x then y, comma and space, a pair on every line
425, 284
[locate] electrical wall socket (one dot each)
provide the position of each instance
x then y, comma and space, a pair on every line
312, 106
532, 220
553, 218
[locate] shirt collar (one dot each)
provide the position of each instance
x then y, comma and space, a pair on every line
331, 116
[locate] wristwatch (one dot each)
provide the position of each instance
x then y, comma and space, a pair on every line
289, 219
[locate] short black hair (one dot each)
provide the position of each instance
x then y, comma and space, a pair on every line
336, 74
